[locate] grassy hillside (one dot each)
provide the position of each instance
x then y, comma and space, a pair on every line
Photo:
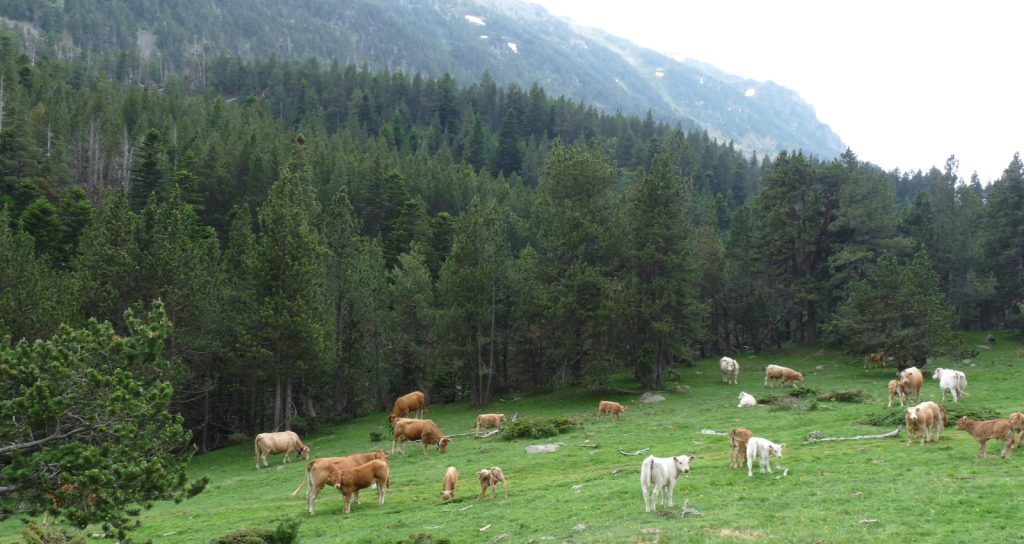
852, 491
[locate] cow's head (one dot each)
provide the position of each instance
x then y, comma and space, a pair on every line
501, 417
682, 463
484, 476
392, 418
447, 495
962, 423
777, 449
380, 454
442, 445
912, 414
937, 373
304, 452
621, 408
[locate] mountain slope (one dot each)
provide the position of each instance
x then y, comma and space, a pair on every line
517, 42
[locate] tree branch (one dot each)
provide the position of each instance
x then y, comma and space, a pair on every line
817, 437
29, 446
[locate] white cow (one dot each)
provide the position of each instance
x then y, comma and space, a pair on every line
746, 399
659, 474
730, 370
761, 448
285, 442
951, 380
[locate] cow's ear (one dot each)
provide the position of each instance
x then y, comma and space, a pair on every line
782, 446
692, 457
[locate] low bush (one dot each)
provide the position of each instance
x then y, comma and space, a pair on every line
424, 539
285, 533
895, 416
538, 428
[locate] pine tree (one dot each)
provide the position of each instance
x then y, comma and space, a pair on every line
149, 169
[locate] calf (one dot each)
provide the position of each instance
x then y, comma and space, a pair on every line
983, 431
351, 480
659, 475
1017, 423
912, 380
746, 399
730, 370
424, 430
284, 442
609, 407
897, 388
871, 359
317, 471
451, 477
407, 403
761, 448
786, 375
951, 380
738, 438
490, 478
484, 421
925, 420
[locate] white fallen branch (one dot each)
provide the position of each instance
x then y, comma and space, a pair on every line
637, 452
818, 437
709, 431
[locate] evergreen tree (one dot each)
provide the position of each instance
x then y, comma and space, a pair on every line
149, 169
1004, 243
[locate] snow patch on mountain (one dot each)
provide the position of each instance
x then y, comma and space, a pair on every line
475, 20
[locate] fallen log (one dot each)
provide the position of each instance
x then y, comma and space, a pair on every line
637, 452
818, 437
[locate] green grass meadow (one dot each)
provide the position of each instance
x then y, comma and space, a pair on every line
876, 490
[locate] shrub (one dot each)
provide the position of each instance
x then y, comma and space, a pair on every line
424, 539
376, 436
237, 438
285, 533
538, 428
36, 533
851, 395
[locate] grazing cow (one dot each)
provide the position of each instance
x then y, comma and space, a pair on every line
484, 421
284, 442
983, 431
746, 399
871, 359
609, 407
925, 420
317, 471
1017, 423
451, 477
761, 448
350, 480
912, 380
951, 380
424, 430
738, 438
659, 475
490, 478
787, 375
730, 370
897, 388
407, 403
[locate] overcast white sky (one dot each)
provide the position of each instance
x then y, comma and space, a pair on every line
904, 83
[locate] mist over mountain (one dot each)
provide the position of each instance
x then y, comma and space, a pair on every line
515, 41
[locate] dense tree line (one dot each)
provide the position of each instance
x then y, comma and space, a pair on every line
323, 238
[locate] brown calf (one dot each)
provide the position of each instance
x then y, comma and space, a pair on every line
451, 477
317, 471
1017, 423
983, 431
786, 375
897, 388
484, 421
489, 478
609, 407
351, 480
738, 446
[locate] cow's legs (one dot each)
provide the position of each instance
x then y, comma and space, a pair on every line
348, 503
671, 490
381, 489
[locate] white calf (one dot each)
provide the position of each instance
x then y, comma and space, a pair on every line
746, 399
730, 370
761, 448
659, 474
951, 380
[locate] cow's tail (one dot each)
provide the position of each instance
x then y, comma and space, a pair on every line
256, 448
962, 384
650, 472
305, 480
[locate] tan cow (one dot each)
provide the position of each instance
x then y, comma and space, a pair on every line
738, 438
284, 442
786, 375
925, 420
871, 359
424, 430
484, 421
912, 380
1017, 422
730, 370
349, 481
983, 431
407, 403
897, 388
609, 407
317, 471
451, 477
490, 478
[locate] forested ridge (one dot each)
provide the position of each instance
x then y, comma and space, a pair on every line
323, 238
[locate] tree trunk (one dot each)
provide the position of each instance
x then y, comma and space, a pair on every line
278, 398
289, 407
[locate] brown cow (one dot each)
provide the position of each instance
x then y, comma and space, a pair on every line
484, 421
1017, 422
283, 442
451, 477
490, 478
738, 446
897, 388
787, 375
871, 359
424, 430
349, 481
317, 471
407, 403
983, 431
609, 407
912, 380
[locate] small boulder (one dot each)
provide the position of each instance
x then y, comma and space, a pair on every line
541, 448
649, 397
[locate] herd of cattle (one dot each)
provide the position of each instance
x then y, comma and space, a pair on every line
658, 475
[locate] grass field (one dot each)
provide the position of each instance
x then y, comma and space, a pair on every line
850, 491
